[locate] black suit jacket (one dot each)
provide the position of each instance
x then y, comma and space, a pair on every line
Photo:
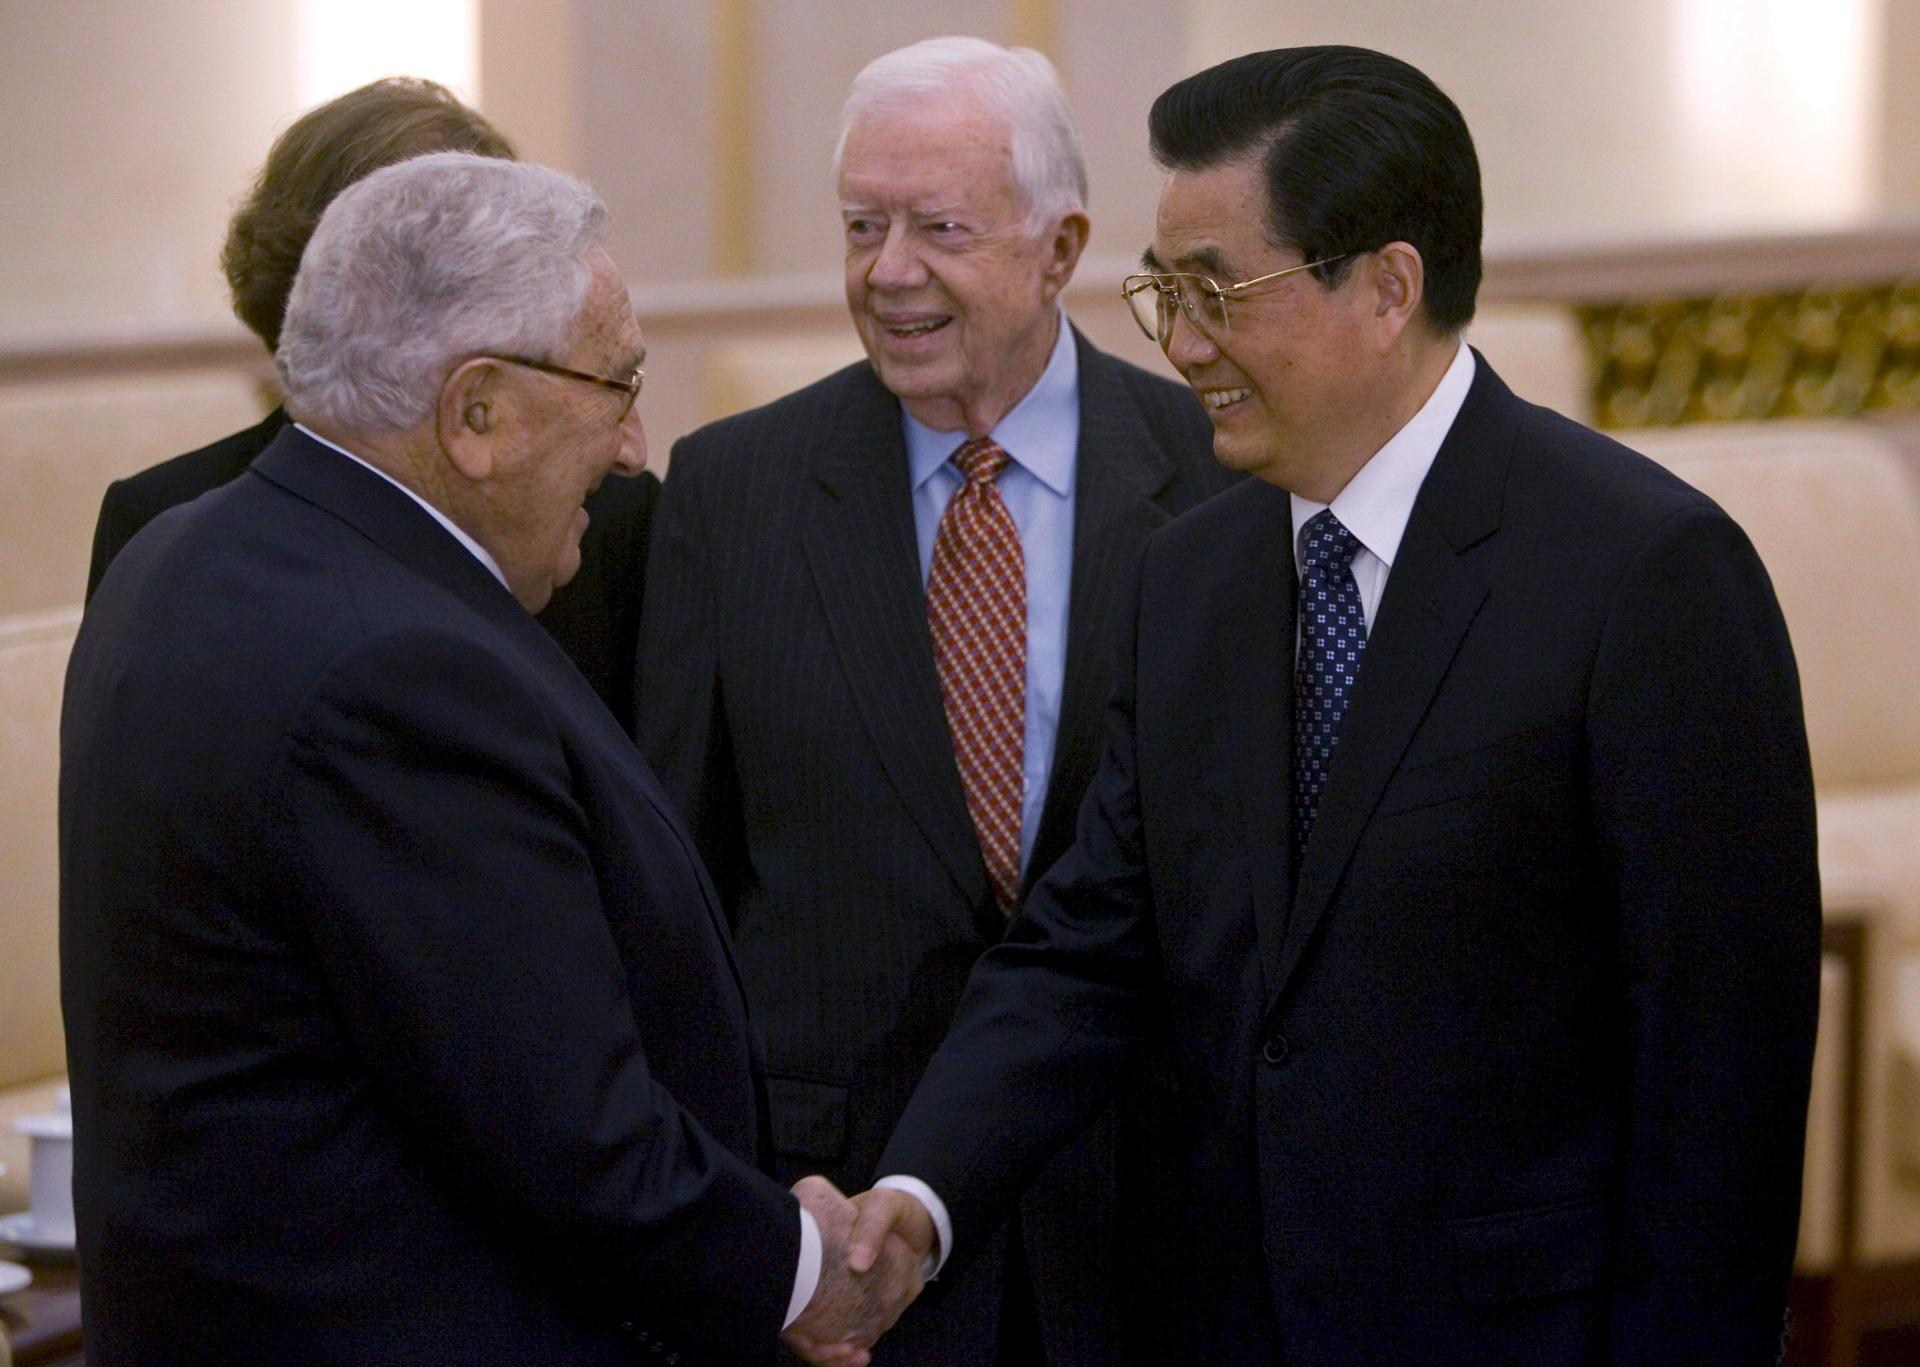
402, 1020
595, 617
789, 699
1513, 1067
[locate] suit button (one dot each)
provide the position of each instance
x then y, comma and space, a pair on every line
1275, 1049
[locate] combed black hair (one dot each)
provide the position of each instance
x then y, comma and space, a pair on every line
1359, 150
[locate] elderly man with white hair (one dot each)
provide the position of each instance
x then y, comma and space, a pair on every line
403, 1022
874, 655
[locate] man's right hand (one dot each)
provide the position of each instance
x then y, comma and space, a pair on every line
885, 1215
871, 1256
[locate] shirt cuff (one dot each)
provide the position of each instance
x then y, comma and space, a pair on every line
806, 1277
936, 1208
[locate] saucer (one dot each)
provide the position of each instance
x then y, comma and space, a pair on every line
53, 1125
14, 1277
19, 1230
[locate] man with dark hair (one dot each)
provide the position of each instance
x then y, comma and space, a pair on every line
596, 618
1455, 817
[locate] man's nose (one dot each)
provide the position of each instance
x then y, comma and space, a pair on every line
897, 265
1186, 344
633, 444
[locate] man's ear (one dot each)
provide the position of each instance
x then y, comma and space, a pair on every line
1065, 242
468, 418
1400, 281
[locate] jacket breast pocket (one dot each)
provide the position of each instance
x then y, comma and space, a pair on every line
1543, 754
1527, 1254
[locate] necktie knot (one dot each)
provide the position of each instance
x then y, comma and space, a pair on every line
981, 460
1329, 545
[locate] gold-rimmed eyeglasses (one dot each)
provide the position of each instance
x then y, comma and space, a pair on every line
1152, 296
629, 387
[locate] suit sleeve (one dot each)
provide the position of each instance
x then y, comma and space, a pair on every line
441, 867
679, 712
1703, 806
1053, 1015
111, 532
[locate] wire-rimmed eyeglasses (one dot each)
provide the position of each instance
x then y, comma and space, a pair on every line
1151, 297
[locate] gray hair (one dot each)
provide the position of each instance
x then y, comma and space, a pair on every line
1016, 85
422, 265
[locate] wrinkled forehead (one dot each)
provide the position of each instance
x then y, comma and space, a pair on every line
606, 315
946, 146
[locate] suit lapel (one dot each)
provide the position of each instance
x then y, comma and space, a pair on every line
1252, 642
1432, 597
865, 560
1119, 471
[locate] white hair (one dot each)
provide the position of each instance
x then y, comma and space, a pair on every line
1016, 85
420, 266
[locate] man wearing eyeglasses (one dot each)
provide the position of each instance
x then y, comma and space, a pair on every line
1455, 817
876, 645
596, 615
403, 1022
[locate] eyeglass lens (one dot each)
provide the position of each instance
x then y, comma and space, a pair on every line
1153, 307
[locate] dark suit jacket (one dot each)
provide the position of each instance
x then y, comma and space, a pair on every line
789, 699
1513, 1067
402, 1020
595, 617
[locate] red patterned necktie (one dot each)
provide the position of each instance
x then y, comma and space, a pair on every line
977, 610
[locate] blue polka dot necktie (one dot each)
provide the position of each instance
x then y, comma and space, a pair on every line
1333, 638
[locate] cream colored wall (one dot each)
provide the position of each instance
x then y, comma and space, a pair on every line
1635, 118
630, 96
1900, 129
126, 133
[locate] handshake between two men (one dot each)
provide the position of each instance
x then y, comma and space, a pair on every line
876, 1250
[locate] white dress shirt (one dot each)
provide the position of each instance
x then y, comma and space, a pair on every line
1378, 500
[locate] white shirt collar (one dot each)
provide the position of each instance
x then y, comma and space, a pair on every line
1378, 500
1033, 433
479, 551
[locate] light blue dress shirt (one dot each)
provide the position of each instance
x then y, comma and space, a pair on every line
1040, 436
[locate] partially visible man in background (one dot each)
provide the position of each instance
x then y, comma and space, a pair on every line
596, 617
402, 1020
875, 652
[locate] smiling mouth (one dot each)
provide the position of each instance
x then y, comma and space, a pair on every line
1217, 399
920, 327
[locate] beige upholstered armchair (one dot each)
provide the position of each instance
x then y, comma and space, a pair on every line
60, 444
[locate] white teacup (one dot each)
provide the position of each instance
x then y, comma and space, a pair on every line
51, 1180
